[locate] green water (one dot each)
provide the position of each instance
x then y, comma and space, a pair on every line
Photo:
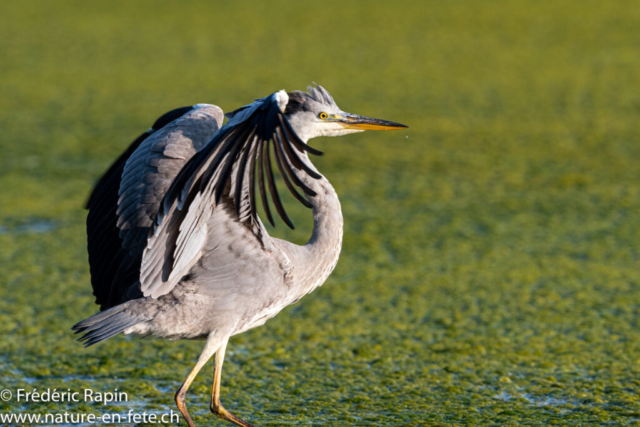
490, 272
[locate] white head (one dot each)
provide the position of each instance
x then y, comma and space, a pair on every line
316, 114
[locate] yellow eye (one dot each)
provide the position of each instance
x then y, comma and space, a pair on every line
323, 116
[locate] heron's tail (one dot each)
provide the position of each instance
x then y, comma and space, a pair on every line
105, 324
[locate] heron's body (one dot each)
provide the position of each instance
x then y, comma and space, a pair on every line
242, 280
176, 248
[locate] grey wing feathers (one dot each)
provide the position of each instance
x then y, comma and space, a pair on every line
150, 170
124, 203
224, 169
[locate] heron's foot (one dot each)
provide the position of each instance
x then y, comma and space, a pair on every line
222, 413
182, 406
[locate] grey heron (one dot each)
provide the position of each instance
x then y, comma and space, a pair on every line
176, 247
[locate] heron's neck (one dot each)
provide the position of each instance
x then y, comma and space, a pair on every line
323, 248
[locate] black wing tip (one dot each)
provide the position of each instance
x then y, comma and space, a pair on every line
313, 151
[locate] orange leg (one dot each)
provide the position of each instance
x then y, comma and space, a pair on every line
216, 406
209, 349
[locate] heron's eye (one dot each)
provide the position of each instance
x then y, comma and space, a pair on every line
323, 116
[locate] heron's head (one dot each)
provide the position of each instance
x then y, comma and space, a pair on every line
315, 114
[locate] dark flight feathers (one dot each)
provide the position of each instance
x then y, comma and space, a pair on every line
242, 145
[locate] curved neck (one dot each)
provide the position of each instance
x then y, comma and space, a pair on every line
327, 214
322, 250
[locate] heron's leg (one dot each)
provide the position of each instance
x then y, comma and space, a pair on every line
210, 347
216, 406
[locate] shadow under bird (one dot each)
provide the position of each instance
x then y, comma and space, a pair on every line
176, 247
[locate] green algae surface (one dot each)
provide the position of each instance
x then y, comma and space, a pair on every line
490, 271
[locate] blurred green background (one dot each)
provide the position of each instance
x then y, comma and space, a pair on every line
490, 269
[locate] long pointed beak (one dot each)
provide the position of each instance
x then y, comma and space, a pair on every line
354, 121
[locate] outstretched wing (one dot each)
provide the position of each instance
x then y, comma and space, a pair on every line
125, 200
225, 169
